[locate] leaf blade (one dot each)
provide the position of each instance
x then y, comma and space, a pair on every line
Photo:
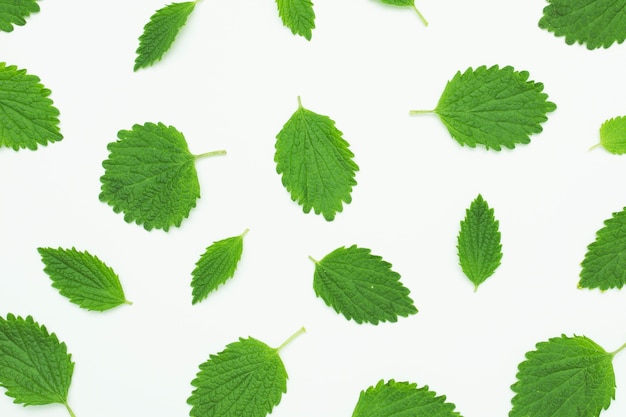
613, 135
15, 13
298, 16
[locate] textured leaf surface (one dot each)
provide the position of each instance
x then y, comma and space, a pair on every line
613, 135
402, 399
478, 244
161, 31
297, 15
604, 265
35, 367
361, 286
15, 12
406, 3
83, 278
564, 377
316, 165
28, 117
216, 266
595, 23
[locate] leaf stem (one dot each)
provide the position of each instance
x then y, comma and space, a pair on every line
315, 261
207, 154
69, 410
421, 16
619, 350
245, 232
299, 103
291, 338
414, 112
595, 146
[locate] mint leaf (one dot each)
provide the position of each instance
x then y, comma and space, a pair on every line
27, 116
492, 107
315, 163
604, 265
35, 367
83, 278
402, 399
613, 135
150, 175
595, 23
216, 266
15, 12
247, 378
298, 16
564, 377
405, 3
160, 32
478, 244
361, 286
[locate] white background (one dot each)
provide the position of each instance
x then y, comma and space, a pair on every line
230, 82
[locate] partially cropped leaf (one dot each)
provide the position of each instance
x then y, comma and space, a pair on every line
247, 378
595, 23
361, 286
83, 278
298, 16
613, 135
402, 399
604, 265
35, 367
564, 377
406, 3
494, 107
216, 266
150, 175
28, 117
15, 12
161, 31
478, 244
316, 165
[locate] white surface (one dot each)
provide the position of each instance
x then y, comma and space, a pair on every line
230, 82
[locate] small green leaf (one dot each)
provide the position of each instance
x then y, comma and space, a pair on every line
83, 278
402, 399
595, 23
216, 266
298, 16
15, 12
35, 367
361, 286
613, 135
406, 3
160, 32
247, 378
27, 116
315, 163
150, 175
492, 107
564, 377
478, 244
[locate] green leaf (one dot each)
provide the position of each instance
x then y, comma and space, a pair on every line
216, 266
604, 265
595, 23
406, 3
361, 286
27, 116
247, 378
402, 399
492, 107
160, 32
298, 16
150, 175
15, 12
315, 163
478, 244
564, 377
83, 278
35, 367
613, 135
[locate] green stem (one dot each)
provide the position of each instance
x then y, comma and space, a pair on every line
595, 146
619, 350
421, 16
69, 410
245, 232
299, 103
205, 155
414, 112
130, 303
293, 336
315, 261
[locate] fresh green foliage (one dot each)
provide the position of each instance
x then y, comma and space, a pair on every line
406, 3
604, 265
27, 116
150, 175
35, 367
613, 135
216, 266
361, 286
316, 165
247, 378
402, 399
564, 377
595, 23
492, 107
15, 12
478, 244
83, 278
161, 31
298, 16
